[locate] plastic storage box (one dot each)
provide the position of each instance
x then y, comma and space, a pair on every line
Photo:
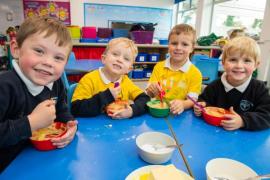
75, 32
88, 40
147, 73
120, 33
142, 37
163, 41
141, 57
137, 73
153, 57
89, 32
104, 32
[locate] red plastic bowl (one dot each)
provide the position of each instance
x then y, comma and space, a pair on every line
214, 115
44, 143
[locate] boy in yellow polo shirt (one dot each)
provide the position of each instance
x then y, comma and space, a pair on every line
177, 76
97, 89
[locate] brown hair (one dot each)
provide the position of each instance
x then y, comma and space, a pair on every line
129, 44
243, 45
40, 24
183, 28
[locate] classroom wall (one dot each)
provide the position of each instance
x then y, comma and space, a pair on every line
9, 8
78, 14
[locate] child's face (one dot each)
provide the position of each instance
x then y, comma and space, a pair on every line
180, 47
118, 60
41, 59
238, 68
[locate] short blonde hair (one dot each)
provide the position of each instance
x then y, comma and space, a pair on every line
40, 24
183, 28
243, 45
129, 44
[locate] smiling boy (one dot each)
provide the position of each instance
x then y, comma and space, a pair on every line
247, 98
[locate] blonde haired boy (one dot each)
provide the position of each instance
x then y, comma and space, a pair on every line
247, 98
97, 89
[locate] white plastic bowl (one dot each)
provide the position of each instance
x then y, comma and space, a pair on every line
147, 144
228, 168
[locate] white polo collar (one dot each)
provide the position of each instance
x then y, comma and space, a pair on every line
105, 79
229, 87
183, 68
32, 88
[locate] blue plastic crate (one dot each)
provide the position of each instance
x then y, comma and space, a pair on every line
208, 67
163, 41
147, 73
137, 73
120, 33
153, 57
88, 40
103, 40
141, 57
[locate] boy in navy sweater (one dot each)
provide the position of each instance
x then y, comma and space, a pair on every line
41, 50
247, 99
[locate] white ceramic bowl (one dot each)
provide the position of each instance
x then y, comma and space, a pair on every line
152, 147
228, 168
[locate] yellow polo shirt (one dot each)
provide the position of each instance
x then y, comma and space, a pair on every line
94, 82
177, 84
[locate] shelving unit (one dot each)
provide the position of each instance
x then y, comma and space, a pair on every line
144, 48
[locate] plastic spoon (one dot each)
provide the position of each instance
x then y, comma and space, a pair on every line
195, 102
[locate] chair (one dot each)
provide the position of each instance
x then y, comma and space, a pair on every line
65, 80
198, 56
70, 92
71, 58
208, 67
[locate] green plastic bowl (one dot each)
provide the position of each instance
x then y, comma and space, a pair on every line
157, 112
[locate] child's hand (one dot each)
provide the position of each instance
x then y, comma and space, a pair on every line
43, 115
64, 140
197, 109
232, 121
153, 90
122, 114
115, 91
177, 106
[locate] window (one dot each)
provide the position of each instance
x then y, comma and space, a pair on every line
187, 12
238, 14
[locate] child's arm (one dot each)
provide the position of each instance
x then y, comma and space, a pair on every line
92, 106
259, 118
232, 121
153, 89
139, 106
197, 110
68, 136
178, 106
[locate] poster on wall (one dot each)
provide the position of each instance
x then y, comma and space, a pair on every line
58, 9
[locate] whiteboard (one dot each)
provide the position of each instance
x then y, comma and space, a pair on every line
100, 15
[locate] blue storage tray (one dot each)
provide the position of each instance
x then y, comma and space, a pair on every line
120, 33
147, 73
154, 57
137, 74
141, 57
88, 40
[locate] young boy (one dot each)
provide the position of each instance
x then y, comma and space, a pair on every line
247, 98
98, 88
41, 50
177, 76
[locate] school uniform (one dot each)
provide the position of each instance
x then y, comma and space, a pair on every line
19, 97
250, 100
92, 95
187, 80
